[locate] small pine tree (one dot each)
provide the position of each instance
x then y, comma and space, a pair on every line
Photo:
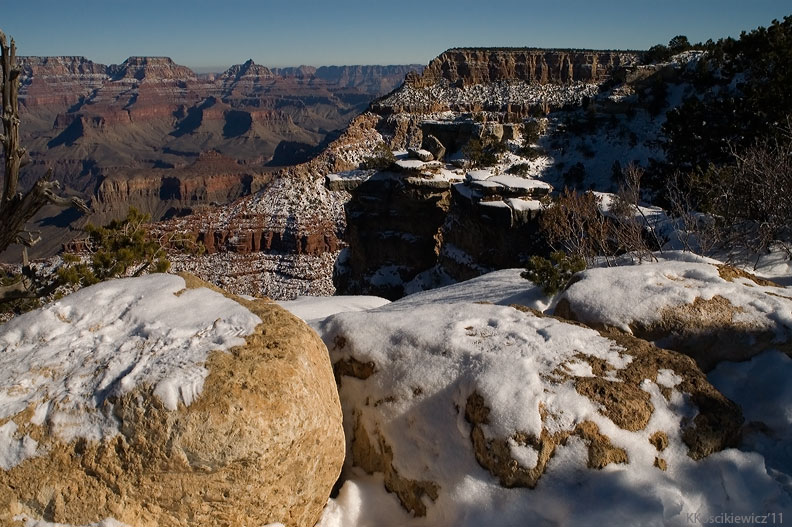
382, 158
120, 248
555, 274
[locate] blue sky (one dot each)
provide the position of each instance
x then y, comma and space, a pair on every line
215, 34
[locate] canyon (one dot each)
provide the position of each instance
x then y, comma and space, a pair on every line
329, 224
130, 133
333, 225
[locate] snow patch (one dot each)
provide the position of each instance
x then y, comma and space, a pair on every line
66, 360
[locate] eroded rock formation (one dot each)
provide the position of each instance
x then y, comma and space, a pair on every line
449, 387
465, 66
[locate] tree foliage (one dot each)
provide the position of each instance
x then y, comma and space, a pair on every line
749, 199
754, 75
120, 248
382, 158
553, 275
483, 152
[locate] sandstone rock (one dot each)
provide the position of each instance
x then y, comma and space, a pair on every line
433, 145
436, 390
710, 312
169, 405
421, 154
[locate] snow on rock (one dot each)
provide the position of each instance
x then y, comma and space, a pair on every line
154, 399
465, 407
704, 309
445, 95
104, 341
504, 287
310, 308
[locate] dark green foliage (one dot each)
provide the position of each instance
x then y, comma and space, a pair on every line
678, 44
532, 152
520, 169
531, 131
15, 306
703, 130
120, 248
382, 158
553, 275
661, 53
482, 153
575, 175
658, 53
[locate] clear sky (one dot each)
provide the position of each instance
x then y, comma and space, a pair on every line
216, 34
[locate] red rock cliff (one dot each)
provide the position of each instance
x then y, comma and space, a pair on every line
537, 66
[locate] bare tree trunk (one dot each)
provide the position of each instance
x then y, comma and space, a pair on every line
17, 209
14, 154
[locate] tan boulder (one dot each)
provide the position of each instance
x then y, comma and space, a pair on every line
708, 311
257, 440
433, 392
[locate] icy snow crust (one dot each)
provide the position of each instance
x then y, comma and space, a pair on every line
447, 345
66, 359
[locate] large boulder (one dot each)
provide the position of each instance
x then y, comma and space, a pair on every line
707, 310
158, 401
466, 408
434, 146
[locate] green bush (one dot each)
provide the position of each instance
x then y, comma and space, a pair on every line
531, 131
118, 249
520, 169
553, 275
481, 153
382, 158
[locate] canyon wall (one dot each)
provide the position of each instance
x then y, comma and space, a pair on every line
466, 66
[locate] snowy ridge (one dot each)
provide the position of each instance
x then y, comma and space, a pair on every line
110, 339
495, 94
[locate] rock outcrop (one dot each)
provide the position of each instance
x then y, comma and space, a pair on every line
283, 240
709, 311
212, 178
436, 388
465, 66
150, 68
157, 401
420, 219
518, 82
91, 122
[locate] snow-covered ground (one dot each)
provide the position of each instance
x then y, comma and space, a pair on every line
421, 336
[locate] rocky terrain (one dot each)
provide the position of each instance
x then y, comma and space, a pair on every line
630, 384
401, 223
126, 133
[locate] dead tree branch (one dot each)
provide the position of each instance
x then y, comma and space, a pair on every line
16, 209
